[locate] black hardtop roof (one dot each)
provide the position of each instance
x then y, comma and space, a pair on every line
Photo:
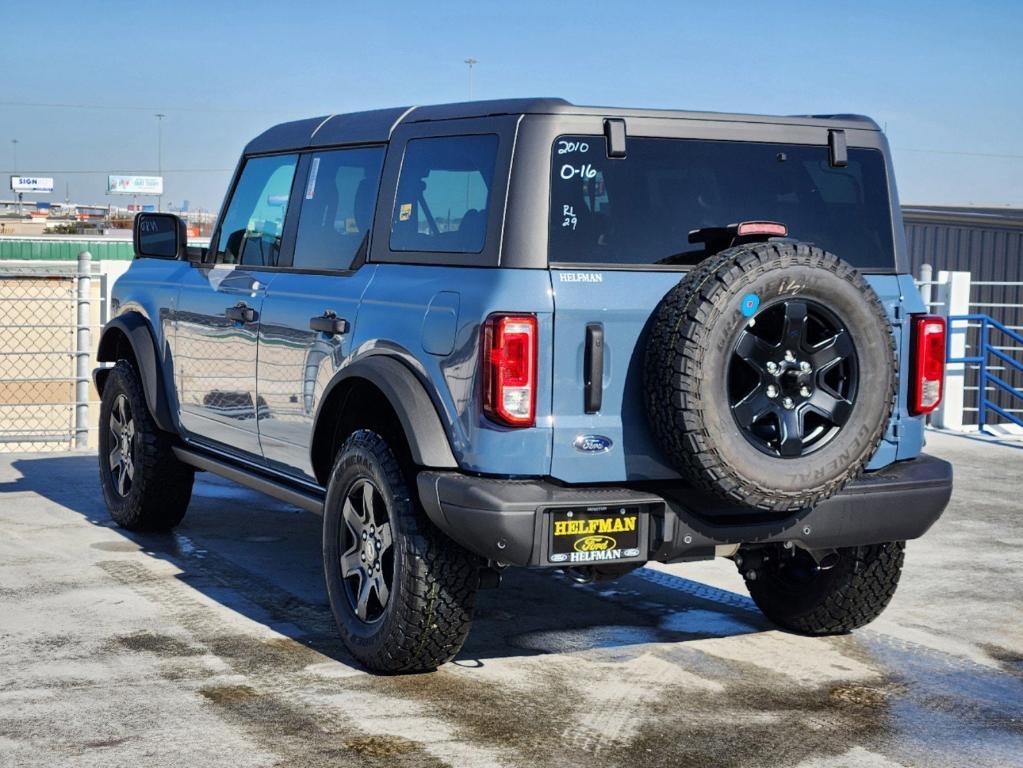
376, 125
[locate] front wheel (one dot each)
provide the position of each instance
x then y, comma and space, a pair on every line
144, 485
401, 592
794, 592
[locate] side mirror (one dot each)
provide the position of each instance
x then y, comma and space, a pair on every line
159, 236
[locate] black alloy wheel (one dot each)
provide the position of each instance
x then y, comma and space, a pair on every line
792, 378
122, 442
367, 551
145, 486
401, 592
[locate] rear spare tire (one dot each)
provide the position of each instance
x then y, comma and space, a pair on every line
771, 375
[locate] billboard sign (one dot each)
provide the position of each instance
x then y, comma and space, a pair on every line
135, 185
31, 184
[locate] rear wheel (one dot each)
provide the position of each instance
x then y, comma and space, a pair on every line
144, 485
794, 592
401, 592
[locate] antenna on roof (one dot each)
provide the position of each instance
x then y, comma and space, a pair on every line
471, 61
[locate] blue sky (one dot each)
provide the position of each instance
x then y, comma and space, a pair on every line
946, 79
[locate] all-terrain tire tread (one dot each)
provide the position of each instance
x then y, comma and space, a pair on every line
162, 485
853, 599
674, 373
436, 609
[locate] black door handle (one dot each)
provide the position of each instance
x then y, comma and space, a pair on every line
593, 368
329, 323
240, 313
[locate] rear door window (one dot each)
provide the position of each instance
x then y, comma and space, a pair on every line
444, 193
338, 200
639, 210
253, 224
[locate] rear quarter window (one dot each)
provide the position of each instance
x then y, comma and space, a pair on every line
444, 192
639, 210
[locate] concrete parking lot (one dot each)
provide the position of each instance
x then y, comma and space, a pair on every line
214, 646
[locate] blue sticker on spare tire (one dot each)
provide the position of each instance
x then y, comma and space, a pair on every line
750, 304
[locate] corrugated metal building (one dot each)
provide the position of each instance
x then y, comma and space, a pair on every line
987, 243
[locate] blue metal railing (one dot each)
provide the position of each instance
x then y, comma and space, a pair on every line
984, 374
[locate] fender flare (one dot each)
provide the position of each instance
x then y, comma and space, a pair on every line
428, 441
135, 328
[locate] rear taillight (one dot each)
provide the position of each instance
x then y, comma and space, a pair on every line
509, 369
928, 363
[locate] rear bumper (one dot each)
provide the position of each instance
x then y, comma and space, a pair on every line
508, 520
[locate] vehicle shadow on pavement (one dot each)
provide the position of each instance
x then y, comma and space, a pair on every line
262, 559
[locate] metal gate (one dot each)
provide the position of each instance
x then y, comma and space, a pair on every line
45, 318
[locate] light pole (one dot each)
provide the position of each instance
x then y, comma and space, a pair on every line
159, 157
14, 143
471, 62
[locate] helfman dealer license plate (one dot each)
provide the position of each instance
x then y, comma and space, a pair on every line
580, 536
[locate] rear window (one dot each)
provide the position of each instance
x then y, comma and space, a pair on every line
444, 194
639, 210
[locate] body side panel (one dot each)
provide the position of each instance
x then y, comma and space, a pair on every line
397, 318
296, 364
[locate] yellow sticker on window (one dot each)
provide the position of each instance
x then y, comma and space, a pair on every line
405, 212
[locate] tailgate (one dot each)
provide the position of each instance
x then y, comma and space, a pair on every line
583, 297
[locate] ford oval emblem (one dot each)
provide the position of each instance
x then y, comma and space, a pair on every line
593, 444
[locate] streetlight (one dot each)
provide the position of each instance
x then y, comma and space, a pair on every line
471, 61
14, 143
159, 157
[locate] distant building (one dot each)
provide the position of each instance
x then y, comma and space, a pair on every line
987, 242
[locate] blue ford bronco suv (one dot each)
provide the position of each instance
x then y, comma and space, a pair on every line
527, 333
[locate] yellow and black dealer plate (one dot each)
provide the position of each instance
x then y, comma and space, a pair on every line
587, 536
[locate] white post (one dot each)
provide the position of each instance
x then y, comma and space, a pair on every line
954, 298
926, 289
83, 350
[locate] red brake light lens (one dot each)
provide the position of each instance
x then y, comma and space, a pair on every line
509, 369
928, 363
770, 228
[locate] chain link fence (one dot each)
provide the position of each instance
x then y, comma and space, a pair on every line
47, 314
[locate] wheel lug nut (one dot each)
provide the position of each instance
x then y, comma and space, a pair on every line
790, 356
372, 530
365, 535
787, 403
772, 391
805, 367
772, 367
362, 556
804, 391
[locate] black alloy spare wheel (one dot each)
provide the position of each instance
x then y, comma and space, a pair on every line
770, 375
792, 378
